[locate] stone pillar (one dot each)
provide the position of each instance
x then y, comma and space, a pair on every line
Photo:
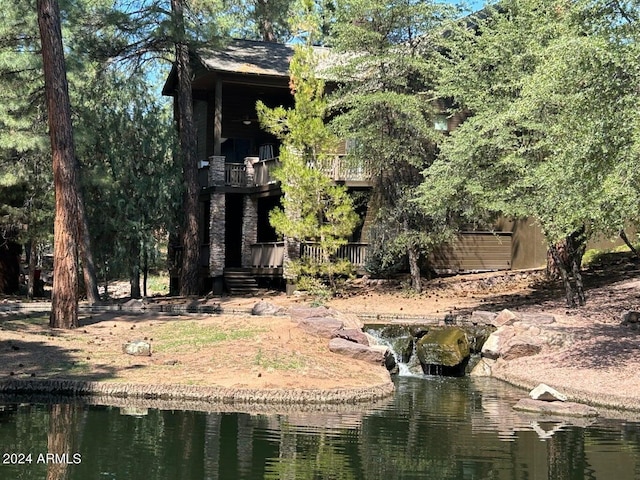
217, 223
249, 215
249, 228
249, 170
216, 171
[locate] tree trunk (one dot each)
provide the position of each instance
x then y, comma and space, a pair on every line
189, 277
414, 269
33, 258
145, 270
265, 25
134, 271
61, 439
565, 258
628, 243
64, 297
88, 264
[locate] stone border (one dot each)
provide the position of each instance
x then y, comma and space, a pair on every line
212, 395
612, 404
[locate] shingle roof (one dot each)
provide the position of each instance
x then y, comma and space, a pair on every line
248, 56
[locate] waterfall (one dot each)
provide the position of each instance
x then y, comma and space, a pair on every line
407, 361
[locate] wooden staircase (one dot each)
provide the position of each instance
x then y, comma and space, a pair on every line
240, 281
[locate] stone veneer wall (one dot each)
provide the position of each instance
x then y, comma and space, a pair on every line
217, 219
249, 215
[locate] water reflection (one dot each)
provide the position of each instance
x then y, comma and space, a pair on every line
432, 428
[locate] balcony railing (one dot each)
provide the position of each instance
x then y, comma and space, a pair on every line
335, 166
340, 169
263, 171
271, 254
267, 255
235, 174
356, 253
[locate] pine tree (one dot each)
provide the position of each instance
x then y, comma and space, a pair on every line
64, 298
314, 209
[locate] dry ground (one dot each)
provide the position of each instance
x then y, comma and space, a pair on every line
243, 351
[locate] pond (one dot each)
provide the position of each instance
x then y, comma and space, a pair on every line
433, 428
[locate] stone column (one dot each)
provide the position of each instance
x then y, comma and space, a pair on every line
249, 215
249, 228
217, 222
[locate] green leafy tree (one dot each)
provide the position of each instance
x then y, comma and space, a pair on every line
314, 208
546, 85
385, 103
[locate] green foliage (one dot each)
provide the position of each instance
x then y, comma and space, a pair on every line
385, 104
314, 210
553, 131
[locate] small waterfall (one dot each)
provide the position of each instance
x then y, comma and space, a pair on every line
403, 349
402, 340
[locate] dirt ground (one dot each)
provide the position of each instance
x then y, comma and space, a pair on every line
238, 350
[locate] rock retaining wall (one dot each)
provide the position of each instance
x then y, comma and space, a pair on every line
227, 396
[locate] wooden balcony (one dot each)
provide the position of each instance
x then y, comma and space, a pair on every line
356, 253
336, 167
235, 174
263, 171
267, 255
271, 254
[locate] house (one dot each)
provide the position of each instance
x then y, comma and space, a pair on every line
238, 246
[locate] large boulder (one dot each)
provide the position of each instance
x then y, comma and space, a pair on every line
494, 345
373, 354
349, 320
324, 327
266, 308
353, 335
522, 345
447, 347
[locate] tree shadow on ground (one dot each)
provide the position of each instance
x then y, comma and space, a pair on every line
608, 288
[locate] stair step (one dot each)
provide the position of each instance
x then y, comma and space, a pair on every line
240, 282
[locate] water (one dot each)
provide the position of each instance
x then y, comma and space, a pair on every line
433, 428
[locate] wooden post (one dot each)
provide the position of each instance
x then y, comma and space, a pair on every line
217, 118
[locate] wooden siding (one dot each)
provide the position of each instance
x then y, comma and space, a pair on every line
474, 251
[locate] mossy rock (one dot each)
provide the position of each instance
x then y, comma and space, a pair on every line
447, 346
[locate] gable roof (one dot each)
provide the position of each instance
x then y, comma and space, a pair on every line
246, 57
249, 57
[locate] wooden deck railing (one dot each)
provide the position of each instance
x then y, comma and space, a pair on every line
336, 166
271, 254
267, 254
263, 171
356, 253
235, 174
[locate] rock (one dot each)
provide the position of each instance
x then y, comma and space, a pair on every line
545, 393
478, 335
309, 312
321, 326
265, 308
138, 348
353, 335
444, 346
505, 317
631, 318
569, 409
134, 304
521, 345
374, 354
349, 320
482, 368
492, 348
482, 317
